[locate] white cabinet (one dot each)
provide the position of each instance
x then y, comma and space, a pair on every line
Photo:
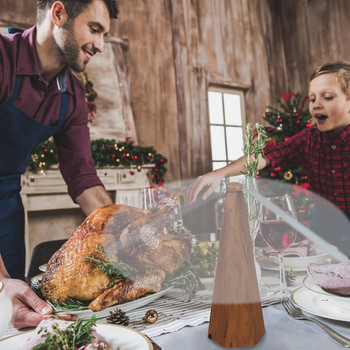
51, 214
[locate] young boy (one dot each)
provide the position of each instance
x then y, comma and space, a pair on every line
323, 151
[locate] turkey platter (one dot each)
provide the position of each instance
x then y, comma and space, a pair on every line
119, 234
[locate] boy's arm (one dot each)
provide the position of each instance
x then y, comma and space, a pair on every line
212, 179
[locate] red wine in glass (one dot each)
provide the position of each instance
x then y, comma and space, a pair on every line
278, 234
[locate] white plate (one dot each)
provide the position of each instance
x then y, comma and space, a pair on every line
295, 263
311, 285
43, 267
321, 305
118, 337
127, 306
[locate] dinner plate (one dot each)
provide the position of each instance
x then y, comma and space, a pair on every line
311, 285
297, 263
321, 305
118, 337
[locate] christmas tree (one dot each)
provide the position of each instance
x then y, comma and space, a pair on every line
287, 119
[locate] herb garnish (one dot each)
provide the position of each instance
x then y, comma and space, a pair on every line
185, 279
115, 270
77, 334
69, 306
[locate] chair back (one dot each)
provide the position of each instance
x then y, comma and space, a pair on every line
41, 255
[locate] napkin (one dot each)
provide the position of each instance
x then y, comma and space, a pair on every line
302, 249
334, 278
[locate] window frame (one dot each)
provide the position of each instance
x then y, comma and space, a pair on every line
236, 90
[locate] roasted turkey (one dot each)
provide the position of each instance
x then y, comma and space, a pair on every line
131, 235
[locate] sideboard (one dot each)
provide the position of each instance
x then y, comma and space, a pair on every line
51, 214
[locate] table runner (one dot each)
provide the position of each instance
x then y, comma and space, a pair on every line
175, 311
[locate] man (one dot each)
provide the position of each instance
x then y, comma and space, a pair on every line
40, 97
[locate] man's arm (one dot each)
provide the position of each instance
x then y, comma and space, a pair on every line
93, 198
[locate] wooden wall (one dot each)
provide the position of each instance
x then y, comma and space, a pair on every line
313, 32
177, 48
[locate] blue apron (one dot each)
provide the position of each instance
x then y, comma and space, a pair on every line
19, 134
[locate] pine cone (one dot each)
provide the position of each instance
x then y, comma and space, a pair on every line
118, 317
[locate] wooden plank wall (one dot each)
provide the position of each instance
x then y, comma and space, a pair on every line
313, 32
177, 48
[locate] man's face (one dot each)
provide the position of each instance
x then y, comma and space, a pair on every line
83, 37
329, 106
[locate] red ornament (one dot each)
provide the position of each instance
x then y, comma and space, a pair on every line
132, 172
287, 97
308, 125
112, 155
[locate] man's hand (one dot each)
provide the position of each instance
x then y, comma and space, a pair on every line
28, 309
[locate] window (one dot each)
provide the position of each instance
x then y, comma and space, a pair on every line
226, 119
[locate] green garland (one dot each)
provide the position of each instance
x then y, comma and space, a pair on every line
106, 153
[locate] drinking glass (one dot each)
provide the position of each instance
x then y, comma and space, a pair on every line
147, 197
277, 233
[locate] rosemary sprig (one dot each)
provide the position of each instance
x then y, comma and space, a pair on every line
186, 279
69, 306
77, 334
255, 141
115, 270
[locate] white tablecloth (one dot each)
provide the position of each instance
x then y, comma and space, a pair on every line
177, 314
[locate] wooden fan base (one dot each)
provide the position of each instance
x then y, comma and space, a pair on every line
236, 318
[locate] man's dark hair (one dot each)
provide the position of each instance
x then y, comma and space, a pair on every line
75, 7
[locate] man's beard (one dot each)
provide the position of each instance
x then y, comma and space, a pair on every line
70, 52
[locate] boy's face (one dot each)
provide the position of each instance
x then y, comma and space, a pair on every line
84, 37
329, 106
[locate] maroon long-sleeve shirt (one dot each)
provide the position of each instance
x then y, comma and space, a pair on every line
18, 57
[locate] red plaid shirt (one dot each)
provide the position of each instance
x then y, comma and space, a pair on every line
325, 158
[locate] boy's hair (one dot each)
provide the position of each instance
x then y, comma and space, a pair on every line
341, 69
74, 7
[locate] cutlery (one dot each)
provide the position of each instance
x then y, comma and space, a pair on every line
297, 314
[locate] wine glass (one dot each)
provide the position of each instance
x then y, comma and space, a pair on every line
277, 233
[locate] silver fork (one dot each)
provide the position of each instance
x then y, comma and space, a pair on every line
297, 314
